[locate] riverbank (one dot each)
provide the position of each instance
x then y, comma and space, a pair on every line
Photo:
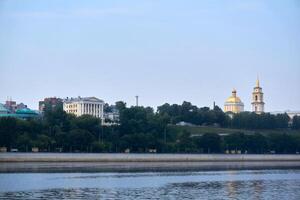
81, 162
123, 157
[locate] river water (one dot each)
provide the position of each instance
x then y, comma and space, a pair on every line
240, 184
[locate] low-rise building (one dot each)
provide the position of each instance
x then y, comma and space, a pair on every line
84, 106
12, 106
112, 113
22, 113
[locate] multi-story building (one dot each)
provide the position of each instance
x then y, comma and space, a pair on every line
53, 102
11, 106
84, 106
258, 104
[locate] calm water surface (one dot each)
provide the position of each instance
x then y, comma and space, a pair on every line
247, 184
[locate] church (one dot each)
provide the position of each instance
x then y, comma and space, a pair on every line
235, 105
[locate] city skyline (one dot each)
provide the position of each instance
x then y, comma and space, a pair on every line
164, 52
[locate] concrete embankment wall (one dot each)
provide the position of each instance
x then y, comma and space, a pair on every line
107, 157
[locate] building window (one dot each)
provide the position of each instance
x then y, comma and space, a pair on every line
255, 97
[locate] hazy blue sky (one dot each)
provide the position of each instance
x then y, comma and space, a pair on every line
164, 51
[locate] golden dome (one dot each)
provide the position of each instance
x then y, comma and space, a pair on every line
233, 98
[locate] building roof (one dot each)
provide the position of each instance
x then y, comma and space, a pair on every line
257, 85
20, 113
91, 99
233, 99
257, 82
3, 109
26, 111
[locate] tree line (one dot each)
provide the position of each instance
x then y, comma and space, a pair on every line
142, 129
206, 116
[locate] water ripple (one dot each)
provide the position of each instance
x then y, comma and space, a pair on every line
183, 186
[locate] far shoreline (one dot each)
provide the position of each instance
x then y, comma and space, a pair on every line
109, 162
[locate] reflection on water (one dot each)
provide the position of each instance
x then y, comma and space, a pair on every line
259, 184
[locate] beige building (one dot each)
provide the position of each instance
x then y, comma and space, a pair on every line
84, 106
258, 105
234, 104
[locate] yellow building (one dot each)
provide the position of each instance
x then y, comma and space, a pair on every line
234, 104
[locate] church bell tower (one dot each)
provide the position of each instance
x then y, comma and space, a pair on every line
258, 99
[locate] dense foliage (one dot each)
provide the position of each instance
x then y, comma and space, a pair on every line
205, 116
142, 129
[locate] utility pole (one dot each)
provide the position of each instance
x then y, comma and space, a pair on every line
100, 131
165, 135
137, 101
102, 134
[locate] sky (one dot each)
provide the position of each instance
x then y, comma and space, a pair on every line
163, 51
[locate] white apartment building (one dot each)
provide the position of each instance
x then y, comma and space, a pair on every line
84, 106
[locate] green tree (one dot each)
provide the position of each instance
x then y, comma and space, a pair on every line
100, 147
63, 141
89, 123
235, 141
80, 139
256, 143
282, 143
210, 143
185, 143
24, 142
8, 131
296, 122
120, 105
43, 142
